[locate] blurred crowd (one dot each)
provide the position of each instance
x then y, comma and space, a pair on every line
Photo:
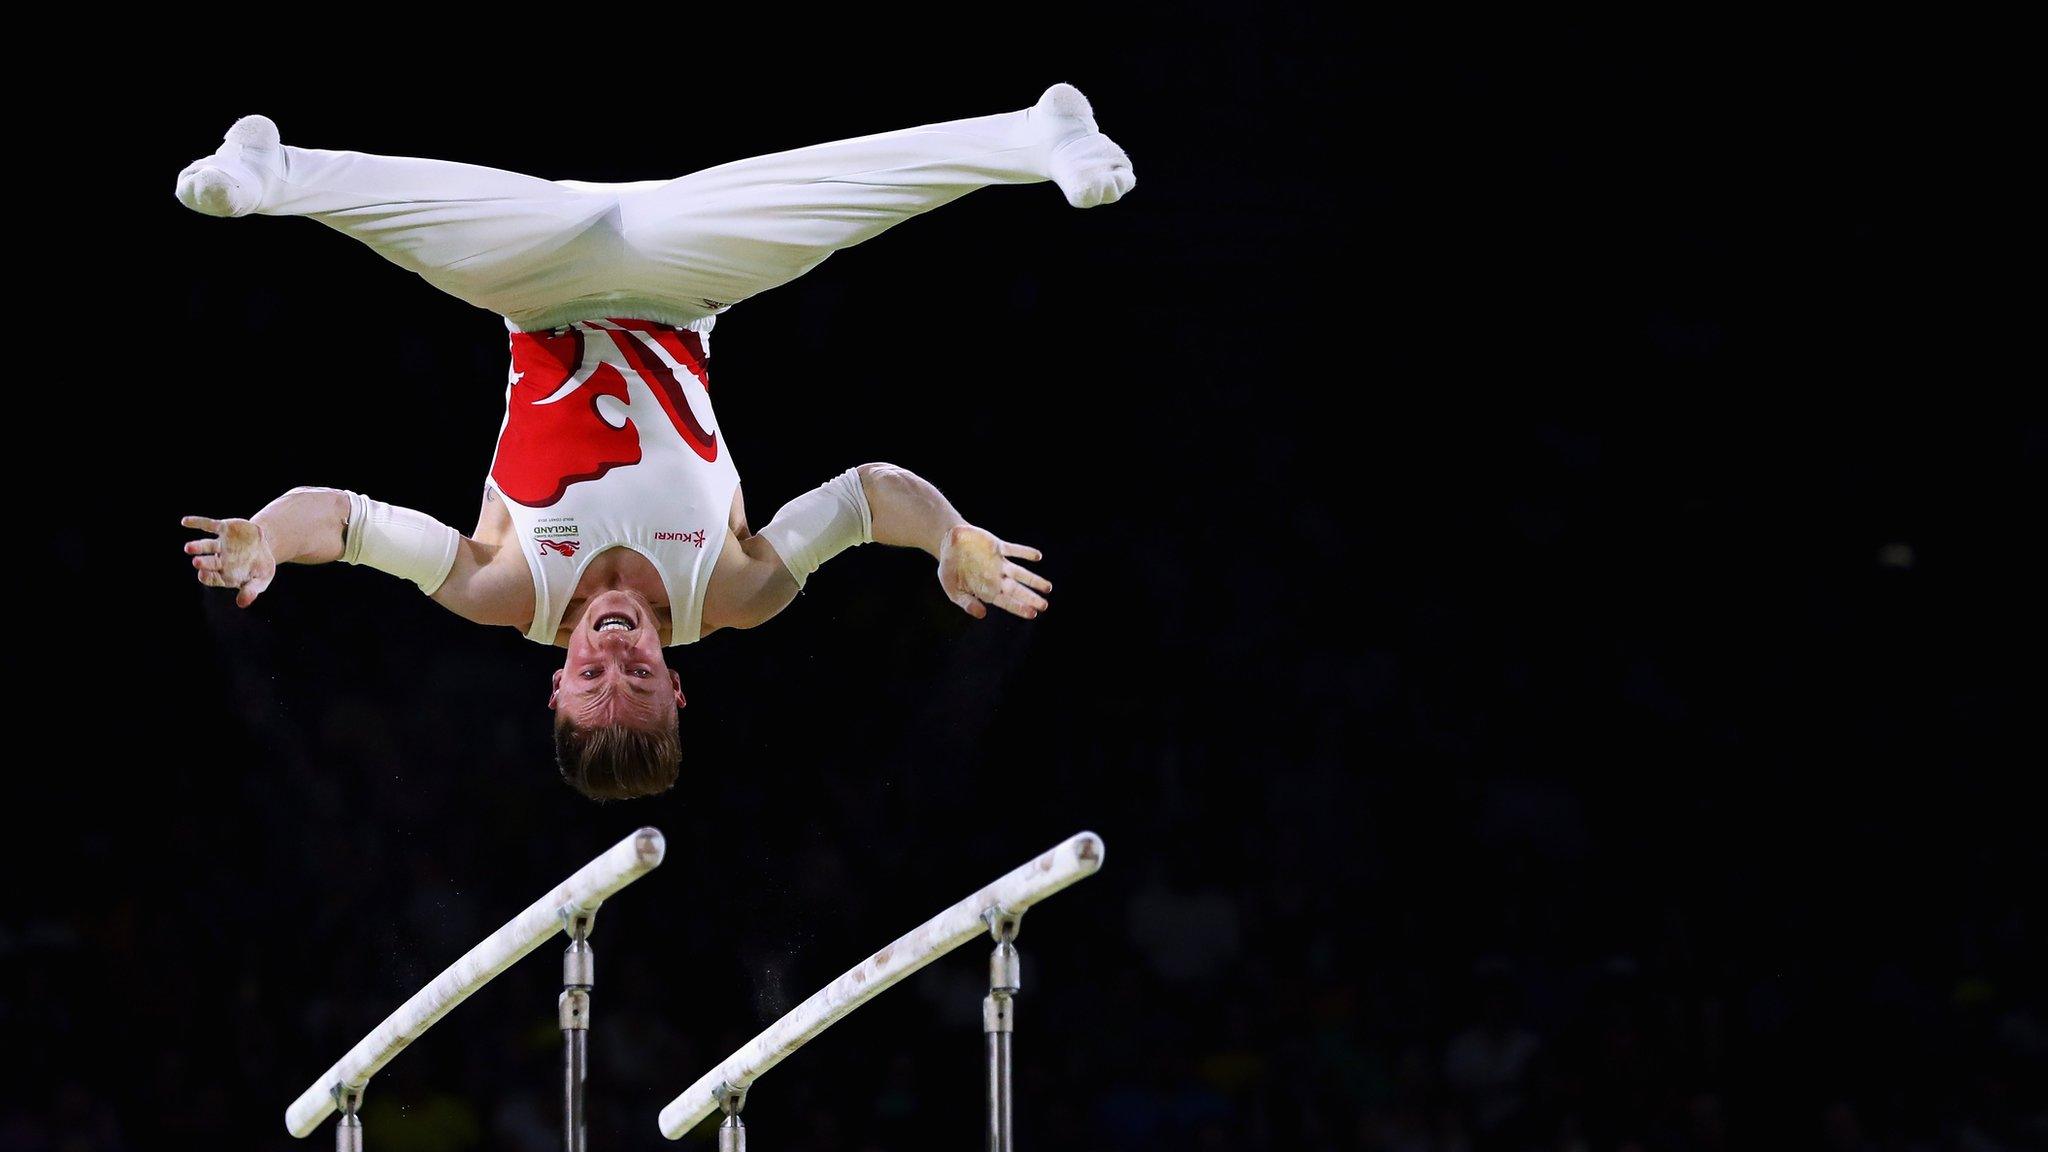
1333, 960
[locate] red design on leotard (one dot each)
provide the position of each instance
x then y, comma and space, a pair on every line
682, 343
547, 447
565, 547
667, 388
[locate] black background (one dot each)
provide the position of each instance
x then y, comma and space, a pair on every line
1543, 612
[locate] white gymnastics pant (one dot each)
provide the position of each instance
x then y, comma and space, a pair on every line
544, 253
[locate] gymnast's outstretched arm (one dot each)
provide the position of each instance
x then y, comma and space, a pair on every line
759, 574
465, 574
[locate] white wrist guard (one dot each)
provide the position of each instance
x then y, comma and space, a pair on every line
410, 545
820, 524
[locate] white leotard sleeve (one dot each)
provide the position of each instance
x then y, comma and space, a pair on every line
410, 545
820, 524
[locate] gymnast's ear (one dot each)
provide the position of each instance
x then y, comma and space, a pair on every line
555, 688
675, 681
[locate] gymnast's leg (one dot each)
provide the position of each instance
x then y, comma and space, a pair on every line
718, 236
499, 240
544, 253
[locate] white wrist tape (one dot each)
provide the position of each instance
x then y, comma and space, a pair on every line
820, 524
410, 545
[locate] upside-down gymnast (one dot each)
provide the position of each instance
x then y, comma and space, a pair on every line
612, 520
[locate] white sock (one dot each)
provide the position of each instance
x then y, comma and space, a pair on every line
1088, 166
231, 182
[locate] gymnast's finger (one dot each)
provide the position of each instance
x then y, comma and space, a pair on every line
1020, 601
1022, 552
1027, 577
205, 547
203, 523
1017, 593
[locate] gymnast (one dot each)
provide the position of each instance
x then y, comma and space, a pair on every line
612, 522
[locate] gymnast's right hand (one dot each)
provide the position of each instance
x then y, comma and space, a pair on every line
236, 556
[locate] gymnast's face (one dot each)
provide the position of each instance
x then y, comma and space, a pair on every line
615, 673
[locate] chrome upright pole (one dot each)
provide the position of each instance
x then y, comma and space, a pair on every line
579, 971
999, 1020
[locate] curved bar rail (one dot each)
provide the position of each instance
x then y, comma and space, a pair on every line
1073, 860
579, 895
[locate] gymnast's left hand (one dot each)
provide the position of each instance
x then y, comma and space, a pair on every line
975, 569
236, 555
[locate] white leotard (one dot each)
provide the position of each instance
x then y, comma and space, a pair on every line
609, 441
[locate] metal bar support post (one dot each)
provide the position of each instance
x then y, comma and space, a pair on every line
999, 1021
732, 1131
579, 972
348, 1127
